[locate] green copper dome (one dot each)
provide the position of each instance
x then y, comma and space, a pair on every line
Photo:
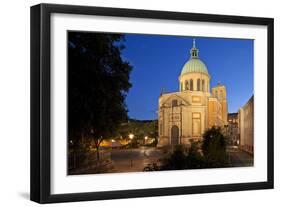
194, 64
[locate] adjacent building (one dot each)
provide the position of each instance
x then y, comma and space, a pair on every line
185, 115
232, 129
246, 126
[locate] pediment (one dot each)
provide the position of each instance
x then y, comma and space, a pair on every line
167, 102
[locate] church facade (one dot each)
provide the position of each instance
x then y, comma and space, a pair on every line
185, 115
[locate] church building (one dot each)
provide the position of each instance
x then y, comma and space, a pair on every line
185, 115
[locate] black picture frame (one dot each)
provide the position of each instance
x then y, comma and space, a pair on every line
41, 94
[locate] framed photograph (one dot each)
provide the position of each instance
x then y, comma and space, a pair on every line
132, 103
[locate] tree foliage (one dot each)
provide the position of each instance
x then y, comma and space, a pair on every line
140, 128
194, 159
98, 81
209, 154
214, 147
176, 160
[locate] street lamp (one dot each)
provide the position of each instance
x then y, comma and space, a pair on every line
144, 147
131, 136
112, 141
145, 139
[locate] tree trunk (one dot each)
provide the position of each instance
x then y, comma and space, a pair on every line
98, 153
74, 160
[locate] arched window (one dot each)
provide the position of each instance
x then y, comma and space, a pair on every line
174, 103
181, 86
203, 85
198, 84
191, 84
186, 85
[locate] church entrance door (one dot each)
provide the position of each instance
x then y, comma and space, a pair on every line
174, 135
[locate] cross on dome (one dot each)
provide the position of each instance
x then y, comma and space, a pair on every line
194, 45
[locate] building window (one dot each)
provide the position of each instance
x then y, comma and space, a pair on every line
186, 85
203, 85
181, 86
198, 84
174, 103
191, 84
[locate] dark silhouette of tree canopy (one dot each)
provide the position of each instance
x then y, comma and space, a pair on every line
214, 148
176, 160
194, 159
98, 81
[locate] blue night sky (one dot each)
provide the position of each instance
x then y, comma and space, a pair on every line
158, 60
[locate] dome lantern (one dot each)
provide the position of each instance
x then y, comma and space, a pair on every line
194, 51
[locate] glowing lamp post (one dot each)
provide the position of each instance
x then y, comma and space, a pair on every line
112, 143
145, 139
131, 136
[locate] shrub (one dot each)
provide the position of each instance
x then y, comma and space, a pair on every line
175, 160
194, 159
214, 148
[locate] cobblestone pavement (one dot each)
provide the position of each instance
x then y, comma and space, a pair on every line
134, 160
239, 158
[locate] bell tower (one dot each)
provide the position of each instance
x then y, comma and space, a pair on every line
219, 92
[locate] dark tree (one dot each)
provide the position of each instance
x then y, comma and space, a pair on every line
194, 159
176, 160
98, 81
214, 148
